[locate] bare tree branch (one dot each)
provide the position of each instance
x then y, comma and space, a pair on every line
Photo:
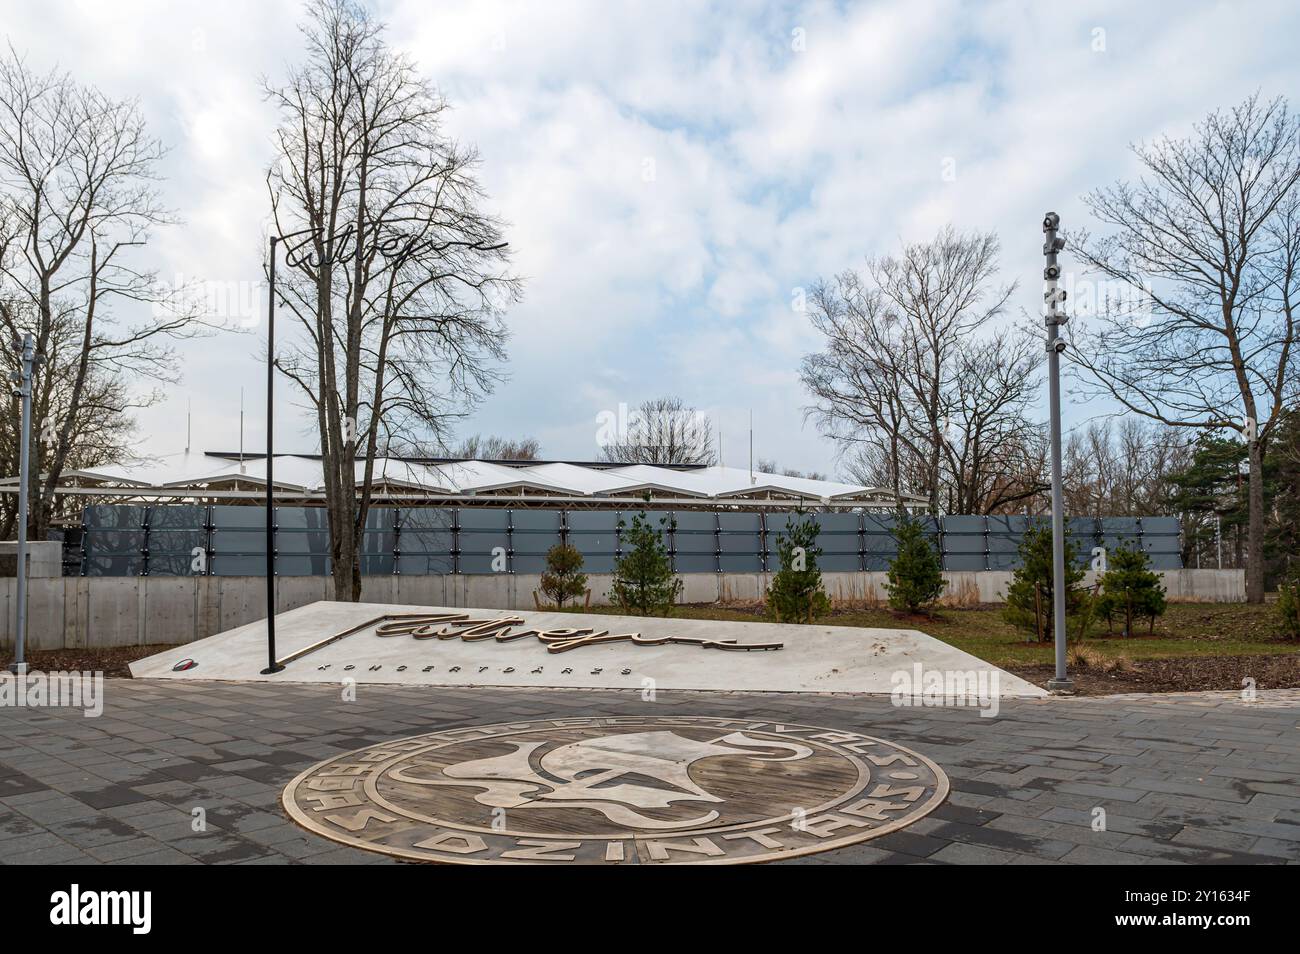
397, 277
1206, 242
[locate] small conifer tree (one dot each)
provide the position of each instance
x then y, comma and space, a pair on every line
1030, 595
915, 577
563, 577
1130, 589
796, 594
643, 576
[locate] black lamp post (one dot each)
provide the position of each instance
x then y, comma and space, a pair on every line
395, 249
272, 665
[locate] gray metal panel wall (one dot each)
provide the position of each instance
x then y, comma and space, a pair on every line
595, 535
113, 541
840, 539
164, 540
533, 533
483, 535
693, 542
740, 542
302, 542
426, 541
238, 541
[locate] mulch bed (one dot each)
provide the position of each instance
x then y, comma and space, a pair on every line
111, 661
1178, 674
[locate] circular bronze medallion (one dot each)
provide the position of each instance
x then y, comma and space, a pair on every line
617, 791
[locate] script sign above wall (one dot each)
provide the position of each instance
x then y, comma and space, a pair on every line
459, 625
507, 629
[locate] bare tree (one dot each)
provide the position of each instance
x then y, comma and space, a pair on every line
858, 382
1208, 243
105, 425
766, 466
1122, 471
873, 467
397, 276
993, 453
77, 173
662, 431
491, 447
888, 385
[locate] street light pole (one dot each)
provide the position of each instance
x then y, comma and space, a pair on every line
1053, 296
24, 381
303, 249
272, 666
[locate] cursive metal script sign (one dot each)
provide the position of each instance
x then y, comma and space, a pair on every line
509, 628
461, 626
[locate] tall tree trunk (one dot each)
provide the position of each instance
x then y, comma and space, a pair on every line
896, 462
358, 538
1255, 538
343, 537
343, 573
43, 501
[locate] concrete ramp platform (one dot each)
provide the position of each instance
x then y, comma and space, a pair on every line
455, 646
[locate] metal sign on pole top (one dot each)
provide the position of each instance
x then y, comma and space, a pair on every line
23, 378
1053, 297
300, 249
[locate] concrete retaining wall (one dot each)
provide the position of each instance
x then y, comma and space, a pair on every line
44, 558
70, 612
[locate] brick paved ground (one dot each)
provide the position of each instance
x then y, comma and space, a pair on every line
1199, 778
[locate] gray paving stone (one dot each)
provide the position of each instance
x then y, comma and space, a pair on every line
117, 850
162, 856
1214, 838
963, 854
1194, 778
45, 854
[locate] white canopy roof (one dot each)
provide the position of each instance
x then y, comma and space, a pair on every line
195, 474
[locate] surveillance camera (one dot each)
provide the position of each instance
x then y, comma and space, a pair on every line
1058, 346
1050, 221
1052, 272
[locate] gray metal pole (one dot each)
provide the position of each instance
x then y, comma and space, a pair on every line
1053, 296
24, 474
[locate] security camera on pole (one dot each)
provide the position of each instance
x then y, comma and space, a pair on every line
1053, 318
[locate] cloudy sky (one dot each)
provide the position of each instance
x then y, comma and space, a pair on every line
674, 173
